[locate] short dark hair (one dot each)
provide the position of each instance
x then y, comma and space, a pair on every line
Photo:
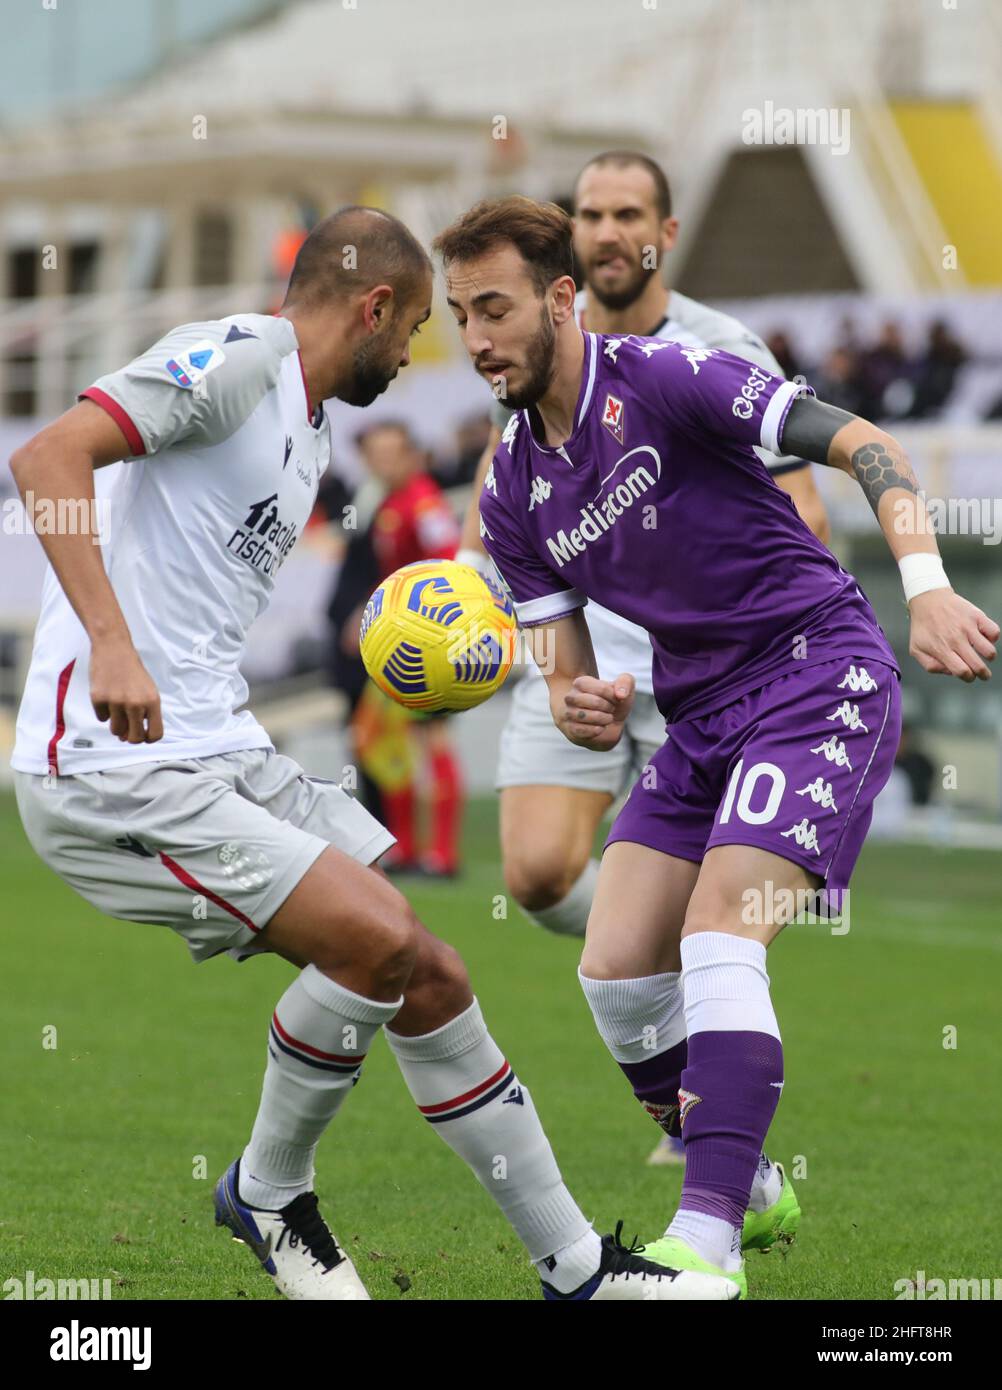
542, 233
622, 159
394, 425
384, 252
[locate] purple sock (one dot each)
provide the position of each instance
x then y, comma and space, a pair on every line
730, 1089
655, 1083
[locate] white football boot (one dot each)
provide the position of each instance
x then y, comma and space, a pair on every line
295, 1245
624, 1275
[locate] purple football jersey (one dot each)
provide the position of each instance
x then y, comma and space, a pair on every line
658, 507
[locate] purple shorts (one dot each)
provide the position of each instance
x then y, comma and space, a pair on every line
793, 768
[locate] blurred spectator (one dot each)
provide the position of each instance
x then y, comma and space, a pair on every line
413, 522
885, 376
848, 338
838, 381
915, 765
471, 441
937, 370
357, 577
779, 345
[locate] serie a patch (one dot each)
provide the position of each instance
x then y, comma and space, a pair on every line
195, 363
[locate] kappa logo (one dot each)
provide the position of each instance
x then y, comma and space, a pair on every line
820, 793
649, 349
849, 715
508, 433
805, 835
687, 1099
612, 346
859, 682
491, 482
612, 417
834, 750
539, 492
694, 356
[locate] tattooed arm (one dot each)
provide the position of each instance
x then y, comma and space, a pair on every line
949, 636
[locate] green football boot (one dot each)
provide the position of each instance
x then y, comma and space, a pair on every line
778, 1224
676, 1254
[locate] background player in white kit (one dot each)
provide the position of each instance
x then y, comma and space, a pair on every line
554, 794
140, 783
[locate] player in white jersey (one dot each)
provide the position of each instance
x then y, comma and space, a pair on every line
142, 783
554, 794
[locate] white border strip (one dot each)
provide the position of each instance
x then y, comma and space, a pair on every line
558, 605
785, 394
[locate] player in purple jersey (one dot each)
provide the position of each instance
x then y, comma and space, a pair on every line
629, 475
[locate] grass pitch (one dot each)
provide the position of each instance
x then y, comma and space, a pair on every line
112, 1139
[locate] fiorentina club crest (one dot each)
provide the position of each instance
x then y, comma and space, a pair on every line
612, 417
664, 1115
687, 1099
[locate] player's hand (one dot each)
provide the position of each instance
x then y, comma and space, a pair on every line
121, 691
950, 637
595, 711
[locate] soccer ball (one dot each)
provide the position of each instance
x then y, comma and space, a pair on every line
437, 635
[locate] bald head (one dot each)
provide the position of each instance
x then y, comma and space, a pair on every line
351, 252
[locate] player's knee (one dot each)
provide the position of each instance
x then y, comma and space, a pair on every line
439, 973
541, 876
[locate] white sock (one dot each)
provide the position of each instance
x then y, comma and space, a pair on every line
716, 1240
637, 1019
320, 1033
767, 1186
463, 1085
572, 1266
569, 916
725, 985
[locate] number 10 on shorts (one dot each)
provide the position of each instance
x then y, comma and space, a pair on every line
748, 782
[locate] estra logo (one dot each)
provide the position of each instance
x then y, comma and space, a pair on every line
612, 417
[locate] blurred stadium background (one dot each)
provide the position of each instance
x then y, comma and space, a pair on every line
172, 155
160, 161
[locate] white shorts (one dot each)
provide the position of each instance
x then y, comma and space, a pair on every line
534, 753
210, 847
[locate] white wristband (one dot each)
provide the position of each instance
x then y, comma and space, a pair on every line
476, 559
920, 573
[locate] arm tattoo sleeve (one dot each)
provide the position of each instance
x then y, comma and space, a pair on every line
810, 426
879, 469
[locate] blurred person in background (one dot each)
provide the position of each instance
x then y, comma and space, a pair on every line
781, 348
412, 522
472, 438
837, 380
886, 376
349, 516
916, 766
936, 375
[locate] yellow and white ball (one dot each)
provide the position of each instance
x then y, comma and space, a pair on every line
436, 635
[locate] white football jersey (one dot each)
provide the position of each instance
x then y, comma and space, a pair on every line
226, 455
620, 646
